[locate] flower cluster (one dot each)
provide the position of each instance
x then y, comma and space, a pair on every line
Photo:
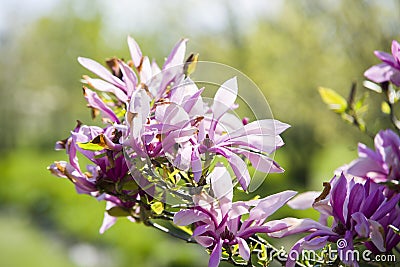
362, 199
161, 140
164, 152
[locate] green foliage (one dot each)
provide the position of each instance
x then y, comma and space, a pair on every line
335, 102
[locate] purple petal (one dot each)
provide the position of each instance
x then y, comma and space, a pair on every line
129, 77
171, 117
300, 226
221, 183
346, 253
196, 165
261, 162
396, 53
146, 72
201, 230
101, 71
361, 224
339, 193
177, 55
379, 73
376, 235
270, 204
224, 98
386, 57
186, 217
134, 49
261, 127
139, 109
355, 200
239, 167
372, 202
386, 207
108, 220
304, 200
363, 167
205, 241
216, 254
95, 101
263, 143
244, 249
395, 78
104, 86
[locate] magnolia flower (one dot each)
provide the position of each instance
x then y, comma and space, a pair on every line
389, 70
381, 165
360, 212
218, 221
188, 132
122, 81
85, 183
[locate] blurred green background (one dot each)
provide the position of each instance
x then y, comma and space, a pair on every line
288, 48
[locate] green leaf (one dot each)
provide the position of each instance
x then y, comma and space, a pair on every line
171, 176
97, 144
385, 108
130, 185
157, 207
335, 102
118, 212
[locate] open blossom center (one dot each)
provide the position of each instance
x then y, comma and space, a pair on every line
227, 235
